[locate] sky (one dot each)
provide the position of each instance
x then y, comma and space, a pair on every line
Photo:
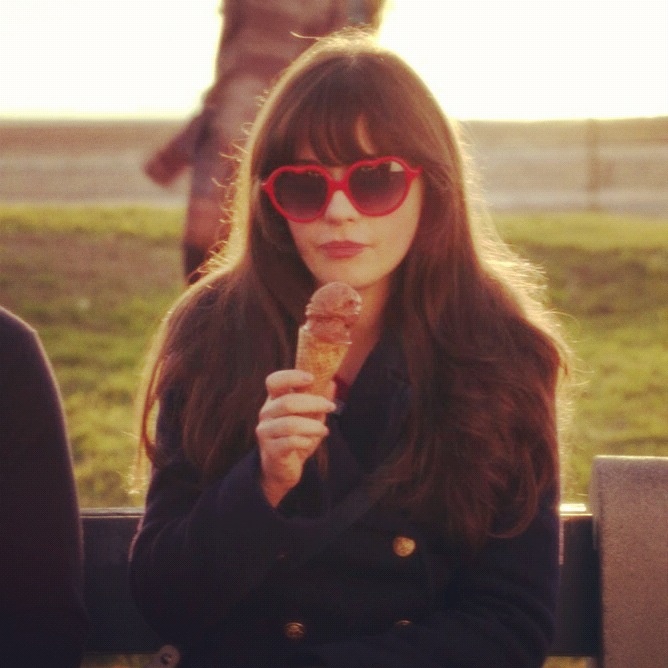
490, 59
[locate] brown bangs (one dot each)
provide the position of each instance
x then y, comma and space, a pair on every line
326, 114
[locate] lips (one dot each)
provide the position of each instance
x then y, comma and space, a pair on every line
342, 249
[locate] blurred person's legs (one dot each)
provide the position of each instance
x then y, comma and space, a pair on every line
206, 218
214, 166
205, 228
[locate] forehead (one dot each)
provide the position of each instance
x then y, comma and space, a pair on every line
357, 144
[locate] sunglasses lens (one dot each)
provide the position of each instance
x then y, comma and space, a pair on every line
377, 189
301, 195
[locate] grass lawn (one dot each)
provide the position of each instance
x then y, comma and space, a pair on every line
95, 282
608, 276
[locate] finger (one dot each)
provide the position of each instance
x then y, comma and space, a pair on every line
290, 426
285, 381
285, 460
296, 403
284, 449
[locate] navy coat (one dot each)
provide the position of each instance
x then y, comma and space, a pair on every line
43, 621
332, 577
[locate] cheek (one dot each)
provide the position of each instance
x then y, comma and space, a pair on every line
407, 225
403, 238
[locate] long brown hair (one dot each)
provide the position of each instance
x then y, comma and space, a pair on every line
483, 356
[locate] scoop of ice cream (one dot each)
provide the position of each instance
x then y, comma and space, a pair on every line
332, 311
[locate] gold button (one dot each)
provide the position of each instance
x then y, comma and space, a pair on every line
403, 546
294, 630
402, 622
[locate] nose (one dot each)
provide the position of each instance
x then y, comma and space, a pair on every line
340, 208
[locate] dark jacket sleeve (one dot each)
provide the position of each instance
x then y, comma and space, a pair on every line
498, 611
41, 603
199, 552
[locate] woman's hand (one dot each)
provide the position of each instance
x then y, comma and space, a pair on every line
290, 428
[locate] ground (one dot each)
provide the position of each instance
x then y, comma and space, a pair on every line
618, 165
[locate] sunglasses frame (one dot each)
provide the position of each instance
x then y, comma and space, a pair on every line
338, 184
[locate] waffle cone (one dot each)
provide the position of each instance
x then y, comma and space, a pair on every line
321, 358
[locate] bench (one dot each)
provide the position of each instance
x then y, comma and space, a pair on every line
613, 599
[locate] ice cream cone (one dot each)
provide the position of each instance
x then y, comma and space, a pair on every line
324, 340
319, 357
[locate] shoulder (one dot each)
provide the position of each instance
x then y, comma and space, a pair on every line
13, 329
30, 404
19, 342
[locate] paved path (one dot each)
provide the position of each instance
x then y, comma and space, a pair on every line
522, 166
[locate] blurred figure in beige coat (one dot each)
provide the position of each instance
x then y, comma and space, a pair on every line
259, 39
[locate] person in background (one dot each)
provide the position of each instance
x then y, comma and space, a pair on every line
429, 536
42, 617
259, 38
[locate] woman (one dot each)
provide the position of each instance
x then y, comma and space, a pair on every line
431, 539
42, 613
259, 39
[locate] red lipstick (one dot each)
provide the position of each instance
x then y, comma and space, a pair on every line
342, 249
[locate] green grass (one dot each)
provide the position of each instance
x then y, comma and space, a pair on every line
608, 276
95, 282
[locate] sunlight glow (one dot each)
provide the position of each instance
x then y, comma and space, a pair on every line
512, 59
537, 58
